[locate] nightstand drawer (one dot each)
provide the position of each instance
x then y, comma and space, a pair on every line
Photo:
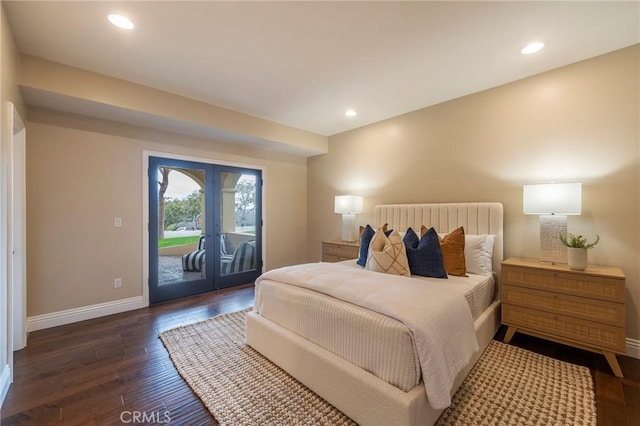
611, 313
337, 251
596, 287
572, 329
340, 250
332, 259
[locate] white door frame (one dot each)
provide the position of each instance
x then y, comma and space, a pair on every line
17, 244
12, 226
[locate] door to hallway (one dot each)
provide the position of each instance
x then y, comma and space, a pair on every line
205, 227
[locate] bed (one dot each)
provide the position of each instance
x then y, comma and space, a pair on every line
365, 363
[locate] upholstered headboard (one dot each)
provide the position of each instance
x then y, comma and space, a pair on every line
476, 218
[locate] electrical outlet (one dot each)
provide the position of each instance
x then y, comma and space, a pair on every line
117, 222
117, 283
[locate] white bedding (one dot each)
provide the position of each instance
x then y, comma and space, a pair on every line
381, 345
441, 324
479, 290
374, 342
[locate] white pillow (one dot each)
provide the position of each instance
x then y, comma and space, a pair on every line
478, 253
387, 254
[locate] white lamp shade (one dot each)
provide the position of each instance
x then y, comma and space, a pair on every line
348, 204
553, 198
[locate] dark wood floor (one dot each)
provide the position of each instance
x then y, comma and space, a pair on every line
92, 372
96, 371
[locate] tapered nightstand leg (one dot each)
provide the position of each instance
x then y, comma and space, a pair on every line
509, 335
613, 363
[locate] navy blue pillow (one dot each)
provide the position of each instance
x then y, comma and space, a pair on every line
424, 255
367, 235
365, 240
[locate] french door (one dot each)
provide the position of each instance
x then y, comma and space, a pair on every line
205, 227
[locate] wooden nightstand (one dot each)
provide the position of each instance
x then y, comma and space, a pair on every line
336, 251
584, 309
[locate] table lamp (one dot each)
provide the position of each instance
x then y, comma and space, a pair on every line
553, 202
348, 206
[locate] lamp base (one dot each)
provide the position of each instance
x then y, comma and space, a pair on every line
348, 227
551, 248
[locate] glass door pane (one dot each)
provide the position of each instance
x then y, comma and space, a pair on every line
239, 226
181, 241
177, 230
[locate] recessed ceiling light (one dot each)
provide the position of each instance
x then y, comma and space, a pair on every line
350, 113
120, 21
532, 48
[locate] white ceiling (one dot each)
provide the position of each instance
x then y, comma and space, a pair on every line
305, 63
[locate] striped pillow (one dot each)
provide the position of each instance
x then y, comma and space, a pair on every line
192, 262
244, 258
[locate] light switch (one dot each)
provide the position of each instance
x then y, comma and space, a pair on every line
117, 222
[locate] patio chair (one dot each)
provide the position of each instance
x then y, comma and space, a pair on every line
243, 259
192, 262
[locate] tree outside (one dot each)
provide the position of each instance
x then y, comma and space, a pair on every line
246, 201
175, 213
183, 212
164, 184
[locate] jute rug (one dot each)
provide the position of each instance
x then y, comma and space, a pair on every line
508, 386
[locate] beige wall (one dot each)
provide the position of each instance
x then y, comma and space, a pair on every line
84, 172
576, 123
92, 94
10, 67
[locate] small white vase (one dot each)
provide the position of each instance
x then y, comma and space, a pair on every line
577, 258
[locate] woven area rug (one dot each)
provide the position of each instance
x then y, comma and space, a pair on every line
508, 386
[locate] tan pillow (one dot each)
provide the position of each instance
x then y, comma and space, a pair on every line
452, 248
362, 228
387, 254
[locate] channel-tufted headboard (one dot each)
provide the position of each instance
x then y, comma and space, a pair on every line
476, 218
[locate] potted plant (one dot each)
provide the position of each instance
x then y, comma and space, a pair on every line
577, 247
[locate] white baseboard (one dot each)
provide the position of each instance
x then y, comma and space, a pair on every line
54, 319
633, 348
5, 382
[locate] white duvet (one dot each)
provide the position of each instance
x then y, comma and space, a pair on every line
438, 315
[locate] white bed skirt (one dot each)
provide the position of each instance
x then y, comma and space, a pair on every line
362, 396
